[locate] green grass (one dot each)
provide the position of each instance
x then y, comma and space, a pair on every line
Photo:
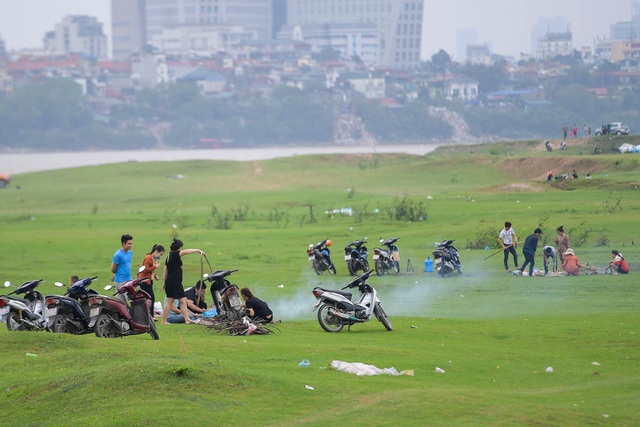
494, 334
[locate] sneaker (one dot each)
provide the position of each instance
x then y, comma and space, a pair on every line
508, 271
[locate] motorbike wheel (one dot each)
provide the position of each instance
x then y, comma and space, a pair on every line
459, 268
332, 269
328, 322
153, 331
366, 265
350, 268
382, 316
104, 327
380, 270
317, 268
396, 266
13, 322
60, 325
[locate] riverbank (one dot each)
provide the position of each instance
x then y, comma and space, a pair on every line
17, 163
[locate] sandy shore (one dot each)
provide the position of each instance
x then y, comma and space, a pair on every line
17, 163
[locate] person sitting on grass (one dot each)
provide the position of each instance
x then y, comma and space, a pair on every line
258, 309
571, 264
618, 265
176, 316
195, 298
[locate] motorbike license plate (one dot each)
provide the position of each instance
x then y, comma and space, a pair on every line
376, 256
4, 310
347, 257
312, 257
53, 311
94, 312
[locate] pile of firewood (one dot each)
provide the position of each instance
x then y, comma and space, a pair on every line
237, 327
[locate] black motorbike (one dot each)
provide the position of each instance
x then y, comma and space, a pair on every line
387, 259
447, 258
355, 255
320, 257
225, 295
69, 313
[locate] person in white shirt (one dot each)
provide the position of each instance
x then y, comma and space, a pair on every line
509, 241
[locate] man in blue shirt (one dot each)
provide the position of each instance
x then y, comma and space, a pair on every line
121, 267
529, 250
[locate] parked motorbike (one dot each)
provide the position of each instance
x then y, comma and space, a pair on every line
225, 295
28, 313
387, 259
320, 257
69, 313
335, 308
447, 258
127, 315
355, 255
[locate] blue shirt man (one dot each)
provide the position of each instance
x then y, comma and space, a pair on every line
121, 266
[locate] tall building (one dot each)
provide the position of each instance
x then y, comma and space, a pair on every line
128, 28
254, 15
398, 21
544, 26
465, 37
77, 34
555, 44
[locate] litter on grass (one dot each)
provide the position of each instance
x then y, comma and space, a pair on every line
360, 369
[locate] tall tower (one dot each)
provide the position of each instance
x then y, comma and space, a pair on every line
128, 28
252, 14
399, 22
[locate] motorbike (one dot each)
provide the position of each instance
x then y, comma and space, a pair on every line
127, 315
447, 258
387, 259
320, 257
28, 313
225, 295
69, 313
335, 308
355, 255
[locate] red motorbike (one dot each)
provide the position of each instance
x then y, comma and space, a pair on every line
127, 314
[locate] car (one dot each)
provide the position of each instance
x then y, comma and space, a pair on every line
613, 128
4, 180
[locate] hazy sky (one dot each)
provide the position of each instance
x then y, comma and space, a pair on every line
506, 24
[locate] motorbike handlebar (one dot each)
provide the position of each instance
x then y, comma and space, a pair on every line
359, 280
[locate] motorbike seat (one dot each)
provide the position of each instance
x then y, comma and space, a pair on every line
343, 293
22, 300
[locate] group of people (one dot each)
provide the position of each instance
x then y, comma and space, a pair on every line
569, 261
573, 131
180, 306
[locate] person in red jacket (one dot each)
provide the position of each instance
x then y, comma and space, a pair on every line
618, 265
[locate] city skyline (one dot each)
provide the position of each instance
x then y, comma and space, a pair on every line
504, 24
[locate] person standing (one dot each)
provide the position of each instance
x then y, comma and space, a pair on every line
509, 241
172, 279
549, 252
121, 266
563, 242
258, 309
529, 251
571, 264
565, 129
151, 262
589, 132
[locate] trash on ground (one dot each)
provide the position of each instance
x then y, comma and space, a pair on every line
308, 387
439, 370
304, 363
549, 369
358, 368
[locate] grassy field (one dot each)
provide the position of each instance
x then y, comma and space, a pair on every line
492, 333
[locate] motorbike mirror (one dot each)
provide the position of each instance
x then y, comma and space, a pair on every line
381, 240
7, 284
365, 238
58, 284
310, 245
142, 268
106, 288
205, 275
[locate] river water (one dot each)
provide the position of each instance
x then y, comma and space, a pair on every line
17, 163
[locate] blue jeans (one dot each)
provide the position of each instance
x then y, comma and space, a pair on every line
178, 318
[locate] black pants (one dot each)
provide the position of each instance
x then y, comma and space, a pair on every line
510, 250
148, 288
528, 259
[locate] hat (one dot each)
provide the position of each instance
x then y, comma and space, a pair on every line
568, 252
